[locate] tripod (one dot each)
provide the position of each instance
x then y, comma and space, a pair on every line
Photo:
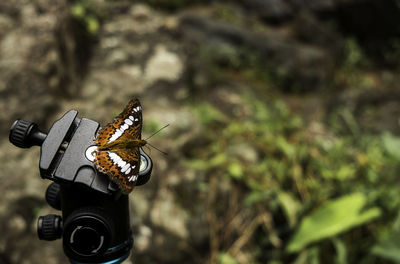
95, 221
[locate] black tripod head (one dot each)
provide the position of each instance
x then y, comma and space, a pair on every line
95, 222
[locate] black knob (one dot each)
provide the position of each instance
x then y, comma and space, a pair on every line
49, 227
25, 134
53, 197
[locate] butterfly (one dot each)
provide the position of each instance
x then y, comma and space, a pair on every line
118, 143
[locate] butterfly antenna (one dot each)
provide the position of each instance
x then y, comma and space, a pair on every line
156, 133
163, 152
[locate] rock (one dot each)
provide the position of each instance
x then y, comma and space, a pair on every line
29, 88
163, 215
270, 10
29, 58
244, 152
140, 12
280, 11
4, 259
163, 65
375, 24
292, 64
143, 238
17, 224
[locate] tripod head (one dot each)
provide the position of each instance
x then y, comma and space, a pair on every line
95, 222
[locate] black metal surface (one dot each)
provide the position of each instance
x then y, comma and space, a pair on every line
92, 205
50, 154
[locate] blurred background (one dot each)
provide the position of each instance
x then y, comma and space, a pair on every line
284, 136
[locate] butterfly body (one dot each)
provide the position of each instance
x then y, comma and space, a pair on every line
118, 143
123, 144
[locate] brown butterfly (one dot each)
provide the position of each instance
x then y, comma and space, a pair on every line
118, 143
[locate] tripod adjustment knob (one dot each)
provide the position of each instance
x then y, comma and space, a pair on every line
49, 227
25, 134
53, 197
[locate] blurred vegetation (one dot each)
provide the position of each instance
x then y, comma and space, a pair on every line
86, 13
301, 191
280, 189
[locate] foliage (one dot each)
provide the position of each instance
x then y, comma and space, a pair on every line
354, 54
331, 219
298, 185
226, 259
227, 60
392, 145
392, 53
389, 248
84, 12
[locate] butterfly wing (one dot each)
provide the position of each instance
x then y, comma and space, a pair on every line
127, 123
122, 166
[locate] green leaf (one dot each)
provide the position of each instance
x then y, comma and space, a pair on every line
225, 258
78, 10
389, 248
235, 170
92, 24
350, 121
341, 251
332, 218
290, 207
314, 255
257, 196
213, 162
392, 145
346, 172
208, 114
309, 256
286, 147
